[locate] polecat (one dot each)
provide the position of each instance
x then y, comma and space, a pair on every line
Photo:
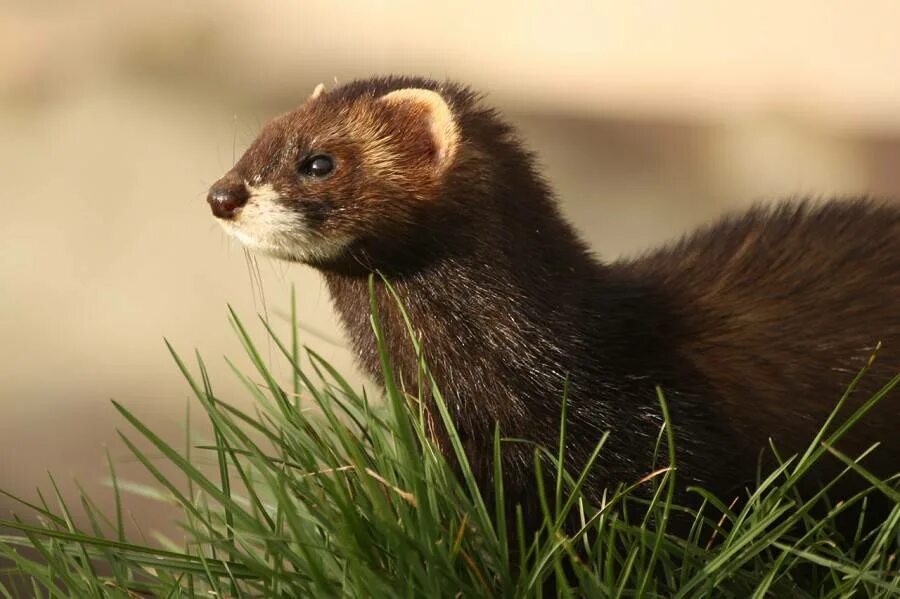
752, 326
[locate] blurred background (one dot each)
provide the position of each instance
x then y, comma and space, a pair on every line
649, 117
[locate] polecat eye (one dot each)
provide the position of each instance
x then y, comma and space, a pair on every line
319, 165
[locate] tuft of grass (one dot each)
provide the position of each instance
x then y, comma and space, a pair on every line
354, 498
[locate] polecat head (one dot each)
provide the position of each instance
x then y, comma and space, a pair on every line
349, 164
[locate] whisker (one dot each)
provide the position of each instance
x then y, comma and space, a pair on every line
248, 260
234, 140
262, 290
265, 304
361, 260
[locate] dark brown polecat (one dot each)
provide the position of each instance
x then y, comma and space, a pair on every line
752, 326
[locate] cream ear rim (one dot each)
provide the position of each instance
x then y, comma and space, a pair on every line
443, 124
317, 91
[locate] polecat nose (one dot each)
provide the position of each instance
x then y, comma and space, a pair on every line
225, 198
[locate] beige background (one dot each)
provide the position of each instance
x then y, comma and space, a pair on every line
649, 117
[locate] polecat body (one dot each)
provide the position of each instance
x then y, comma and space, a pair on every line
752, 327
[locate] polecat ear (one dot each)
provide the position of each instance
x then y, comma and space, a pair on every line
428, 104
317, 91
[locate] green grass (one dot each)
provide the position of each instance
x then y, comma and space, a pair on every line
353, 498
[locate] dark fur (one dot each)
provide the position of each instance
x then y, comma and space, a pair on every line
752, 326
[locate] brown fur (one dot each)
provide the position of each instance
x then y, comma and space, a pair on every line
752, 326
